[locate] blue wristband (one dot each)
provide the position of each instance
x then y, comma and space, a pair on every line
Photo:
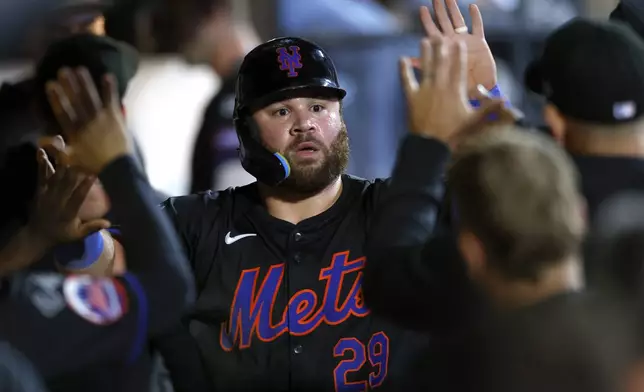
67, 254
494, 92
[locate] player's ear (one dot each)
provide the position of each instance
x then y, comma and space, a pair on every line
473, 254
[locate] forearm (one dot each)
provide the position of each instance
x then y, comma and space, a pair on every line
401, 279
22, 250
153, 250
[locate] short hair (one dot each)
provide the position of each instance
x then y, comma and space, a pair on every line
518, 192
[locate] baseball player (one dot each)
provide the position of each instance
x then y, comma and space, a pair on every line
81, 332
278, 263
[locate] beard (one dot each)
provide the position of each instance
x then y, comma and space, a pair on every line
310, 177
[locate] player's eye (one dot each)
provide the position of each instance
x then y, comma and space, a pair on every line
280, 112
317, 108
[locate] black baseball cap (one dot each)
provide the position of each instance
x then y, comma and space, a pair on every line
592, 71
99, 54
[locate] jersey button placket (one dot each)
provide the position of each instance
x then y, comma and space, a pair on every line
298, 349
297, 256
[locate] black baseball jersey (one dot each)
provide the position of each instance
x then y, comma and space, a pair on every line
280, 305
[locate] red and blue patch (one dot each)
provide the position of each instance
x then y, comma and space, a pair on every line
101, 301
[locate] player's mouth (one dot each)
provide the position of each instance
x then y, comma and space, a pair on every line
306, 149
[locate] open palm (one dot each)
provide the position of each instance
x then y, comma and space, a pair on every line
481, 64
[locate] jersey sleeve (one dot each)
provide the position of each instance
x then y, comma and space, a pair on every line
63, 323
413, 275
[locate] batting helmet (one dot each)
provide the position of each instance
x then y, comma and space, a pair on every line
276, 70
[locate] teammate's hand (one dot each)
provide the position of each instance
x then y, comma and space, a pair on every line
54, 215
481, 67
93, 126
439, 106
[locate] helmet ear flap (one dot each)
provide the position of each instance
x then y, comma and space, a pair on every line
269, 168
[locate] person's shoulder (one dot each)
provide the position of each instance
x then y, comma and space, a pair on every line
208, 202
363, 184
368, 191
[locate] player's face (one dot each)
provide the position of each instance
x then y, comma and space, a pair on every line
312, 136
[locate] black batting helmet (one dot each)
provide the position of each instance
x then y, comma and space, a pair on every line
279, 69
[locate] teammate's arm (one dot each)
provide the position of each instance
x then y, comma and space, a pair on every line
414, 275
411, 276
84, 320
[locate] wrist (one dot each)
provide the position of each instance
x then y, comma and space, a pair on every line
107, 160
494, 92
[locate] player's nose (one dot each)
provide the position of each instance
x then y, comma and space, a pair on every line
303, 123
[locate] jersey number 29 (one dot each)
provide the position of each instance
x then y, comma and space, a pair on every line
376, 352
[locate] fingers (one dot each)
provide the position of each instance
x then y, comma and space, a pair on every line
440, 68
426, 61
45, 168
477, 21
70, 84
56, 151
458, 67
455, 14
110, 91
407, 78
62, 108
88, 95
428, 23
93, 226
78, 196
443, 18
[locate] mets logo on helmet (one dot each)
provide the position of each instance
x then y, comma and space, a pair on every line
289, 61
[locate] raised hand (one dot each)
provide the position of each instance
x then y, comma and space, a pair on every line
92, 124
54, 215
438, 105
481, 68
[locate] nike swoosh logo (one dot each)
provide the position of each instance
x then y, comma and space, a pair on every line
229, 240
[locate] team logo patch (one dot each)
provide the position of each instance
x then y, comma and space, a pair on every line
289, 61
100, 301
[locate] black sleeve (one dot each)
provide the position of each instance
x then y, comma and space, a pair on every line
154, 252
64, 323
414, 275
194, 218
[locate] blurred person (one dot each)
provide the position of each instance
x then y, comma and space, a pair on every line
213, 36
94, 329
616, 248
56, 21
339, 18
300, 230
630, 12
502, 298
596, 114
